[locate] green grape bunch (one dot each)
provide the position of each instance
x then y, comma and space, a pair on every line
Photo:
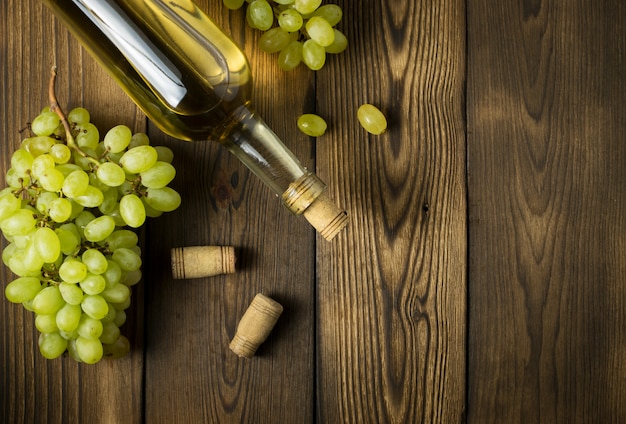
300, 31
69, 211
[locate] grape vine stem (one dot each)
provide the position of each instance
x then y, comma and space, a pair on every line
56, 108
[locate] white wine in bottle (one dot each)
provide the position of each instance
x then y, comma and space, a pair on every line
195, 84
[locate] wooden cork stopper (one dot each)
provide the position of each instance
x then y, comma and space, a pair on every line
326, 217
202, 261
255, 325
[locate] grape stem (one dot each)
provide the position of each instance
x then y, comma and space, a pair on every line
56, 108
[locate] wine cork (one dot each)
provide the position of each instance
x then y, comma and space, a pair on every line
255, 325
202, 261
326, 217
306, 196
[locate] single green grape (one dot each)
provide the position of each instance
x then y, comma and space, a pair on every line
320, 31
312, 125
139, 159
340, 43
72, 271
22, 289
111, 174
307, 6
291, 56
95, 306
290, 20
51, 345
99, 228
233, 4
313, 55
45, 123
117, 138
332, 13
132, 210
89, 350
274, 40
160, 175
372, 119
260, 14
79, 116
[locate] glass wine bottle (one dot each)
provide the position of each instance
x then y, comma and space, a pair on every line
195, 83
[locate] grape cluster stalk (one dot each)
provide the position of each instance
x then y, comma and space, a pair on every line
70, 209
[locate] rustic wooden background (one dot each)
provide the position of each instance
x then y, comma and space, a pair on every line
481, 279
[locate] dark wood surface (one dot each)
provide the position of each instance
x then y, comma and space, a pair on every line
481, 277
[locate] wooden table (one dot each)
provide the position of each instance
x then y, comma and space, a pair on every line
481, 278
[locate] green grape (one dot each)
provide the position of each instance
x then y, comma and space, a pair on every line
331, 12
127, 259
110, 333
38, 145
113, 274
291, 56
117, 138
139, 159
9, 204
150, 211
313, 55
99, 229
116, 294
60, 153
93, 284
75, 183
164, 199
120, 348
121, 306
95, 261
84, 218
120, 318
260, 14
340, 43
19, 222
41, 164
45, 123
312, 125
88, 136
47, 301
290, 20
68, 241
130, 278
372, 119
132, 210
89, 350
160, 175
139, 139
320, 31
47, 244
307, 6
51, 180
111, 174
284, 2
21, 161
46, 323
60, 209
88, 327
122, 238
51, 345
67, 168
233, 4
95, 306
68, 317
79, 115
72, 271
109, 202
164, 154
71, 293
91, 197
110, 316
274, 40
22, 289
44, 201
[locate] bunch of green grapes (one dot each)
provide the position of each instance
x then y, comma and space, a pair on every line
68, 212
301, 31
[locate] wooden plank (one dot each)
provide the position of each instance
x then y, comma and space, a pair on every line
391, 293
34, 389
191, 375
547, 223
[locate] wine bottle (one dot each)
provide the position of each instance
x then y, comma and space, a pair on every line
195, 83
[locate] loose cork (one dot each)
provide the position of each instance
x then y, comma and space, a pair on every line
255, 325
326, 217
202, 261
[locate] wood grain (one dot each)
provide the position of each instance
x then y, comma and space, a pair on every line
36, 390
391, 294
546, 183
191, 374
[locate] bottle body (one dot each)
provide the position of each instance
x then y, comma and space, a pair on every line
189, 78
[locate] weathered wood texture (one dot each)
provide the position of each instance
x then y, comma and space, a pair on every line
547, 182
391, 294
481, 276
